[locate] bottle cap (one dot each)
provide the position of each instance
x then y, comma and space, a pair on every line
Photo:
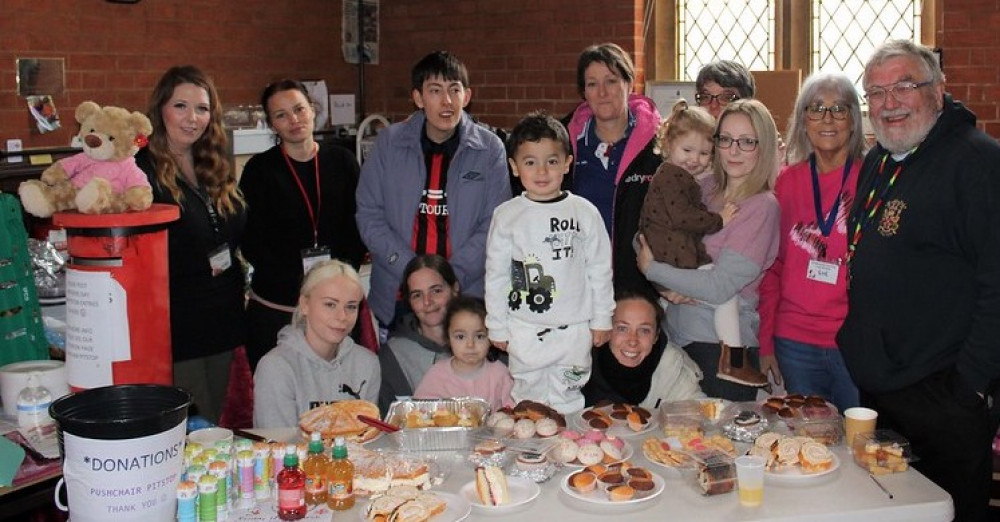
315, 443
339, 449
291, 456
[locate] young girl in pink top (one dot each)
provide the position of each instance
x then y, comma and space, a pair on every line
467, 373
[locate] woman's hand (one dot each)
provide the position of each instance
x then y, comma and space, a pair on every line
676, 298
770, 363
643, 255
500, 345
600, 337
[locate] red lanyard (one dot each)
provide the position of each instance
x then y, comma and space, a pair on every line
313, 217
872, 205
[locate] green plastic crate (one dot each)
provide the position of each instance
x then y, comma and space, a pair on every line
22, 336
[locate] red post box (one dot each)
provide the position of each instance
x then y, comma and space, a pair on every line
118, 297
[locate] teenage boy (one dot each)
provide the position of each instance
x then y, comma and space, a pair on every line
430, 186
549, 296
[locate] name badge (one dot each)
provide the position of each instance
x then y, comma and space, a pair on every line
313, 256
823, 271
220, 259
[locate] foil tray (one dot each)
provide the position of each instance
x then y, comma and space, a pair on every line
436, 439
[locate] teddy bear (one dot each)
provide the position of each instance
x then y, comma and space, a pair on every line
104, 178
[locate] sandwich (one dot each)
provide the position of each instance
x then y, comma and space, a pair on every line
491, 485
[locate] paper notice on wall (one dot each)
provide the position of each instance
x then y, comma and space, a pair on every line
359, 32
96, 328
342, 109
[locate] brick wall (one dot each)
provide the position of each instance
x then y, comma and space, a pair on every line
115, 53
521, 53
971, 56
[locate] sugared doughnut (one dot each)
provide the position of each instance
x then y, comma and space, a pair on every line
590, 454
565, 451
546, 427
524, 429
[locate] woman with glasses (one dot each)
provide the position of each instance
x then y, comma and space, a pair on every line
745, 159
803, 297
613, 134
721, 82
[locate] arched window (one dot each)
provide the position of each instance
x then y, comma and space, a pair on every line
777, 34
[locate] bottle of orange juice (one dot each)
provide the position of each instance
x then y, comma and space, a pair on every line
315, 468
340, 479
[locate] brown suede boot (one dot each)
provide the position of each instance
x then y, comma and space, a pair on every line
743, 374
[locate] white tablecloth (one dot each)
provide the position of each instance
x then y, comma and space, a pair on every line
847, 494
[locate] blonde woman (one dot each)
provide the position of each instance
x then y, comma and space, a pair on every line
315, 360
745, 159
187, 163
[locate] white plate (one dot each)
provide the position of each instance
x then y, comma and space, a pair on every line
522, 492
599, 497
793, 476
626, 454
619, 428
672, 470
457, 509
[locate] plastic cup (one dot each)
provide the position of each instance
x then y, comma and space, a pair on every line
750, 477
858, 420
207, 437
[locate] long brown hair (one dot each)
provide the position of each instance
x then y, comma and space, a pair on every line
212, 167
759, 178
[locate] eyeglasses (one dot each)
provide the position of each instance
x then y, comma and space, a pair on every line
703, 98
744, 144
818, 112
877, 95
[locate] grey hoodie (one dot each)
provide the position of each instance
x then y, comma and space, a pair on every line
405, 358
291, 378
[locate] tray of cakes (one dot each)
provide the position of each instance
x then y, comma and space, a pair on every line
795, 408
340, 419
581, 449
794, 460
436, 424
526, 420
615, 418
613, 486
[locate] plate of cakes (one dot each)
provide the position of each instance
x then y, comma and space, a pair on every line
493, 493
618, 419
794, 460
614, 486
526, 420
588, 448
409, 503
795, 407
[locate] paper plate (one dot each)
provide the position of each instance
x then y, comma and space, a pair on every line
522, 492
598, 498
793, 476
